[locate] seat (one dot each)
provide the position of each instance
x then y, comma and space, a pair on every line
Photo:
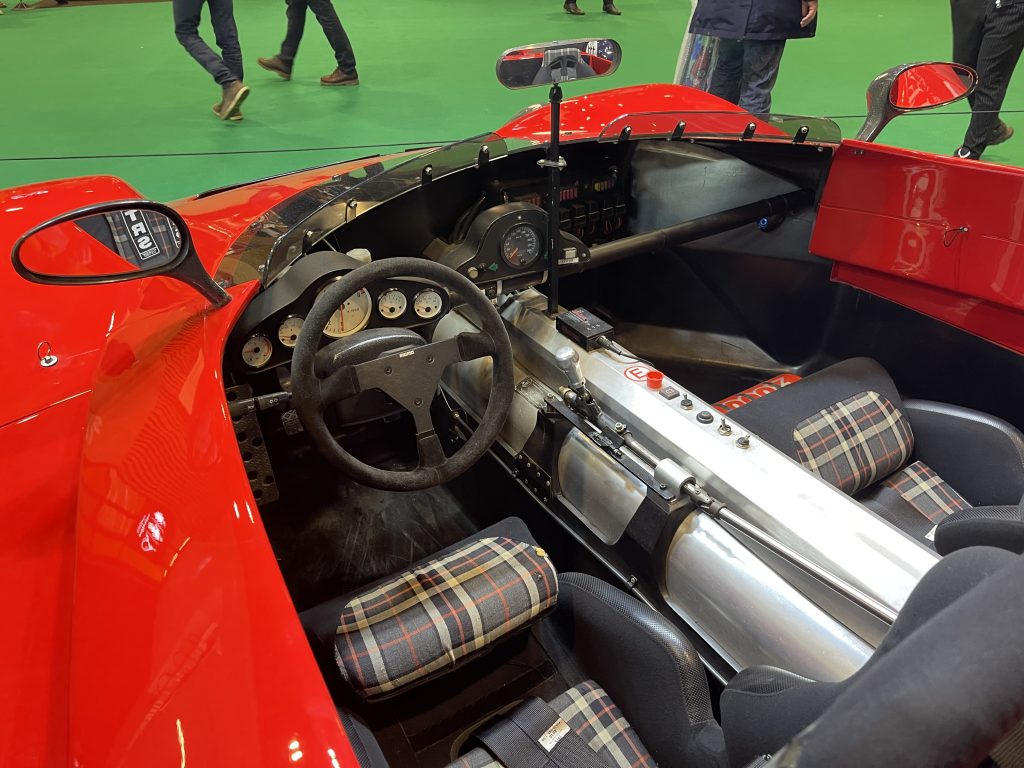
913, 462
763, 707
622, 678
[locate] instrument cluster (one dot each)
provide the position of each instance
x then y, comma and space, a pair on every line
270, 327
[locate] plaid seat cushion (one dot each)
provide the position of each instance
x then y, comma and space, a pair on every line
856, 442
926, 492
593, 715
425, 620
915, 499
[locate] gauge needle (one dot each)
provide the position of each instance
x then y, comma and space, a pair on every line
514, 253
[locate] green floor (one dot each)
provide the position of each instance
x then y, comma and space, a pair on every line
107, 89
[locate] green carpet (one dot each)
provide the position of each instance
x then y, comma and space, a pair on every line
83, 85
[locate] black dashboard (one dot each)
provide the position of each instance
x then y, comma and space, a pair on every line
490, 228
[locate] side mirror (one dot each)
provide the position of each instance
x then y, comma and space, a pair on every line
912, 88
111, 243
558, 62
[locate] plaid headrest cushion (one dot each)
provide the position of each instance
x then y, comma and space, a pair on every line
856, 442
425, 620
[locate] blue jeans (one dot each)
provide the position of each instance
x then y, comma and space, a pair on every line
333, 30
746, 71
186, 28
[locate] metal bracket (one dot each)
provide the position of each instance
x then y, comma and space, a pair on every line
560, 165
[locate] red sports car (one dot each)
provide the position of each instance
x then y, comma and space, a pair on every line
670, 441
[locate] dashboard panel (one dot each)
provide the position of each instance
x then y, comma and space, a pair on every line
268, 330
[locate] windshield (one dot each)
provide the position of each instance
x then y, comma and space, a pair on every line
282, 234
725, 125
276, 238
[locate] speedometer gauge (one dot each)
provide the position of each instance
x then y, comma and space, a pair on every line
256, 351
351, 316
288, 331
392, 303
521, 246
427, 303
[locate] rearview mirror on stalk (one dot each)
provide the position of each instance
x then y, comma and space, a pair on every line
558, 62
553, 64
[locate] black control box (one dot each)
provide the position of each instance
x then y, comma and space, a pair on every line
583, 327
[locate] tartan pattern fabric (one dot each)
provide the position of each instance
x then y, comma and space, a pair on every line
926, 492
593, 715
427, 619
855, 442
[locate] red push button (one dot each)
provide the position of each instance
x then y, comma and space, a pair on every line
655, 379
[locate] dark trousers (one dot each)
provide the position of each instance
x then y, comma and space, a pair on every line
990, 40
746, 71
328, 18
186, 28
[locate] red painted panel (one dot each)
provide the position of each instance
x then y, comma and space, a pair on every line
910, 249
586, 116
994, 267
995, 322
942, 235
187, 649
37, 528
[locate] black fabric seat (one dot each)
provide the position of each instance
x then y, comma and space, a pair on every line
912, 462
634, 689
763, 707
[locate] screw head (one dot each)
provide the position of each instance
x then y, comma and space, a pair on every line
418, 402
387, 371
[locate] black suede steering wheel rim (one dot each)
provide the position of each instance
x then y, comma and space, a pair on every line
409, 376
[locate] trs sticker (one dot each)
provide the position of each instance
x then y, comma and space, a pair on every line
636, 373
142, 238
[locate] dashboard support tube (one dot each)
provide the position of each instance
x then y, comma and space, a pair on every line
695, 229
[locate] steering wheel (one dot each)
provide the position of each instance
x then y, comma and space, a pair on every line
409, 375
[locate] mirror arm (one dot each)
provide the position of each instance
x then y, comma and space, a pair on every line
554, 164
193, 273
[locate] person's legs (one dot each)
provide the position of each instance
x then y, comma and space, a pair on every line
728, 71
1001, 46
186, 29
296, 13
222, 16
335, 32
761, 59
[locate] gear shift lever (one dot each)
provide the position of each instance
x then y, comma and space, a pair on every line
568, 360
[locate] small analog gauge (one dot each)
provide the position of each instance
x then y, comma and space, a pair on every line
521, 246
352, 316
392, 303
428, 303
288, 332
256, 351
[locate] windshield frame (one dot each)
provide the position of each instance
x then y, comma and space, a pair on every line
283, 234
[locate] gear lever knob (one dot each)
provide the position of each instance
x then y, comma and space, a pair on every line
568, 360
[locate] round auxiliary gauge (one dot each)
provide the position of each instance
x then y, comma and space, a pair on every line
256, 351
392, 303
428, 303
288, 332
521, 246
351, 316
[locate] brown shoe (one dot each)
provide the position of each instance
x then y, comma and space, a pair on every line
234, 94
337, 77
234, 116
573, 9
610, 8
277, 66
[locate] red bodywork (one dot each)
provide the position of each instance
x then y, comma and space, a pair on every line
181, 645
